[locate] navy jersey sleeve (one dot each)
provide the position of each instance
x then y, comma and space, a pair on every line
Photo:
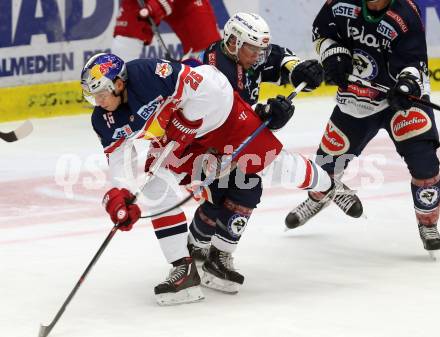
409, 48
152, 75
273, 70
324, 25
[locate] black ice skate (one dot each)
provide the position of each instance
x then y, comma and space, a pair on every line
342, 196
199, 255
181, 286
430, 238
219, 273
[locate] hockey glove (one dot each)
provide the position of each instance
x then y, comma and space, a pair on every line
180, 130
118, 203
279, 109
157, 9
309, 71
337, 63
407, 85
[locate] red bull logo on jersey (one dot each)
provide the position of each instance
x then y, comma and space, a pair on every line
164, 70
409, 123
334, 141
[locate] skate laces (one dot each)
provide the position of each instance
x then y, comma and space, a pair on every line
342, 196
429, 232
202, 251
226, 260
176, 273
308, 208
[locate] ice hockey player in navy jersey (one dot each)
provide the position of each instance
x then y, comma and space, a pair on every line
381, 41
247, 57
197, 110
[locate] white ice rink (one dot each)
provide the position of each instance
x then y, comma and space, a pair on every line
334, 277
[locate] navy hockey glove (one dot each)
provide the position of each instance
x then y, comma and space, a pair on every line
309, 71
337, 63
279, 109
407, 84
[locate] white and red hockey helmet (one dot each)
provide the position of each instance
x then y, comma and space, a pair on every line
248, 28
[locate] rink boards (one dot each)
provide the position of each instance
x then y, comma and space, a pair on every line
65, 98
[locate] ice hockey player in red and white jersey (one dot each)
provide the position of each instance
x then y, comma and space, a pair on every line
197, 109
247, 57
194, 23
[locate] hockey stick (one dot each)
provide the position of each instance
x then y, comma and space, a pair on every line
46, 329
208, 180
19, 133
155, 30
385, 89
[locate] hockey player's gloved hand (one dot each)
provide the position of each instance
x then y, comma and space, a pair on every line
279, 109
157, 9
309, 71
407, 84
337, 63
118, 203
182, 131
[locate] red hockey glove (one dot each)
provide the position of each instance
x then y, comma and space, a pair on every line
118, 203
180, 130
157, 9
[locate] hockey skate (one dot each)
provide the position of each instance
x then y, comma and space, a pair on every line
199, 255
342, 196
219, 273
181, 286
431, 239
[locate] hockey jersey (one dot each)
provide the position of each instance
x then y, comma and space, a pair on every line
155, 89
246, 82
381, 48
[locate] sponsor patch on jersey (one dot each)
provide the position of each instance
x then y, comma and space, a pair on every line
347, 10
334, 141
385, 29
236, 225
240, 75
409, 123
147, 110
363, 92
123, 132
364, 65
398, 19
164, 69
212, 59
428, 196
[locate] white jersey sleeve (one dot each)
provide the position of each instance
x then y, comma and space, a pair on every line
207, 95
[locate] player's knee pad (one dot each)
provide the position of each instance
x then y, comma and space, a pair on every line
246, 191
202, 227
426, 197
423, 163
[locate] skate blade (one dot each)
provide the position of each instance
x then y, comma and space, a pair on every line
225, 286
188, 295
433, 254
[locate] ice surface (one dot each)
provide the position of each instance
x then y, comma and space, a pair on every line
334, 277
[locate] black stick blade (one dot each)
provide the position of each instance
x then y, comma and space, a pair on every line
22, 131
